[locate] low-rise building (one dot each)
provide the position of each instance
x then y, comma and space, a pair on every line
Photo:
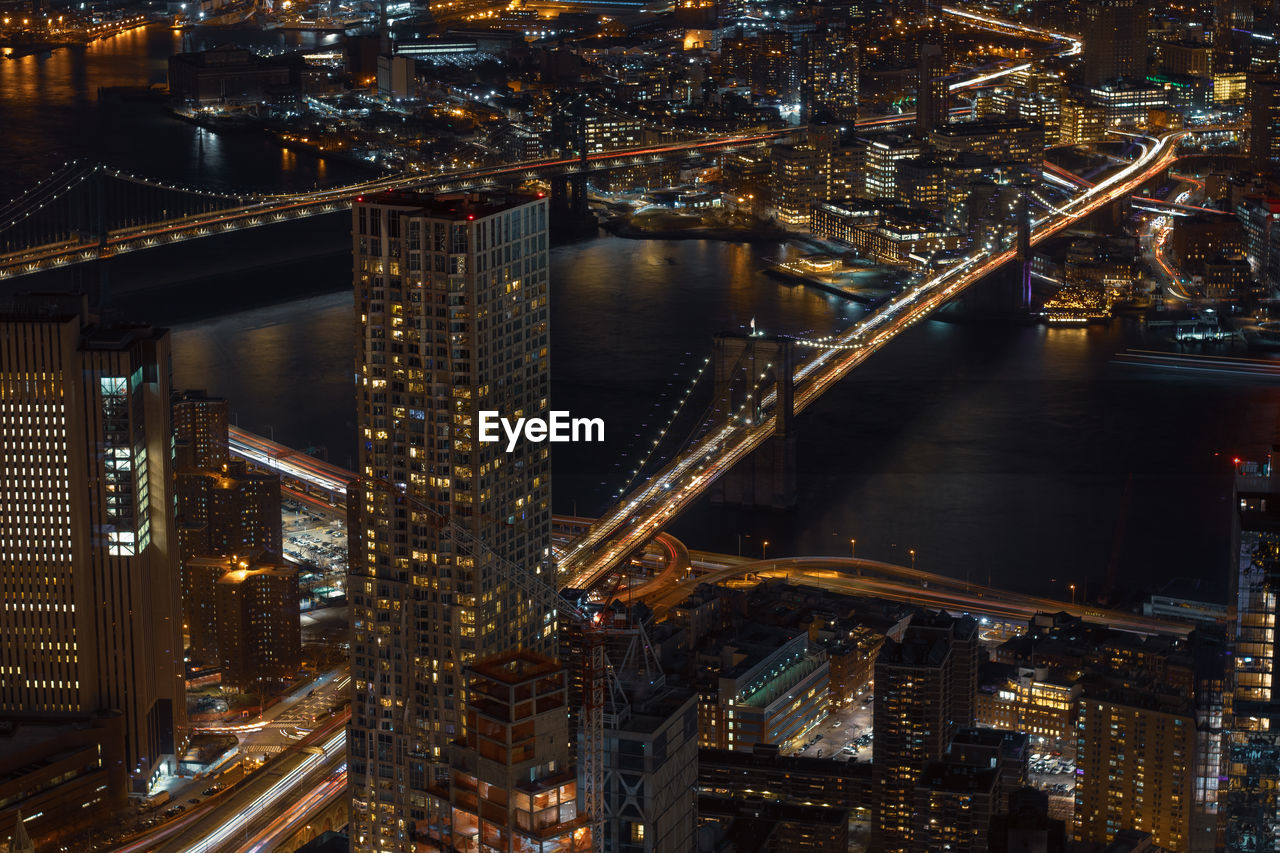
1082, 123
63, 777
1127, 102
1002, 139
763, 772
837, 220
1033, 700
769, 687
906, 238
773, 827
853, 659
224, 75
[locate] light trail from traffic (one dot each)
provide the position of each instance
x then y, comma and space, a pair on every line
235, 822
285, 460
299, 813
268, 209
643, 513
243, 806
1075, 43
900, 583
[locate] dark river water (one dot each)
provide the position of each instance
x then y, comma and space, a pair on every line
1019, 454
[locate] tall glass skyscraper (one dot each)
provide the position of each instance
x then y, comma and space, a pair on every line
1251, 804
451, 316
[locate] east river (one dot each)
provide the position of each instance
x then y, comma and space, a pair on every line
1018, 454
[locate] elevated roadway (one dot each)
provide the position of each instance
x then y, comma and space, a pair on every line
269, 209
896, 583
235, 816
264, 210
644, 511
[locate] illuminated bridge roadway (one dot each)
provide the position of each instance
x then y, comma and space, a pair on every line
647, 509
267, 210
641, 514
681, 569
45, 239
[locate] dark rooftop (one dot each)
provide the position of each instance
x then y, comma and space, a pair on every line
458, 206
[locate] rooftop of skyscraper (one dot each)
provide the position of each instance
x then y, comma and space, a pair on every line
458, 206
514, 666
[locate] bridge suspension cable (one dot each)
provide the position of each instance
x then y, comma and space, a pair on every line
62, 180
662, 433
160, 185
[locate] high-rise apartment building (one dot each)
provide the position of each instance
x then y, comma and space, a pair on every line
795, 182
1264, 121
244, 511
258, 628
1135, 755
199, 432
223, 509
1260, 216
926, 691
881, 154
933, 103
829, 90
1115, 40
954, 804
451, 310
88, 563
199, 449
1026, 826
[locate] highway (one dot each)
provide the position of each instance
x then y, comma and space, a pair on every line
329, 478
243, 813
1158, 230
324, 793
892, 582
643, 512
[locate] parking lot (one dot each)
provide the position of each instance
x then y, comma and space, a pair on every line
1052, 769
845, 734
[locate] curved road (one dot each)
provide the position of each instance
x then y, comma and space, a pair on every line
905, 584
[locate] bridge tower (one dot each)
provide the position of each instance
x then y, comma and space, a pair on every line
766, 478
570, 215
91, 225
1021, 302
1005, 295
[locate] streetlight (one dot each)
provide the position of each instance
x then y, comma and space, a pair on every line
853, 543
1073, 593
912, 552
764, 547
